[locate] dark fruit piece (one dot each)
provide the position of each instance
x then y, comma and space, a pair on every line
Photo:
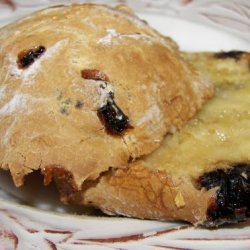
94, 74
232, 202
114, 120
27, 57
235, 54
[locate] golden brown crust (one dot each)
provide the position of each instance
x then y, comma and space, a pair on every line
49, 111
140, 192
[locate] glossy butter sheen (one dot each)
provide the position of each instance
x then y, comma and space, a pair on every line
219, 135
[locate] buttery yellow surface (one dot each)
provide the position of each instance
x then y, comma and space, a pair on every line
220, 134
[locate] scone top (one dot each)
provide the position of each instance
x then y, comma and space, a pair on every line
54, 117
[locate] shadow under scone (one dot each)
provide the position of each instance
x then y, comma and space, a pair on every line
35, 194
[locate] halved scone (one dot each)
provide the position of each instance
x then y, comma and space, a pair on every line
88, 87
200, 174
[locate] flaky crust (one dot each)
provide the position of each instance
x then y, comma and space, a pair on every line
146, 193
48, 109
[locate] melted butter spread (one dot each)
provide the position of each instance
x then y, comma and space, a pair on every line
218, 136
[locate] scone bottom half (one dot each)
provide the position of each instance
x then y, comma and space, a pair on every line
216, 198
194, 176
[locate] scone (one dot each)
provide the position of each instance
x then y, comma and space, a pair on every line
200, 174
86, 88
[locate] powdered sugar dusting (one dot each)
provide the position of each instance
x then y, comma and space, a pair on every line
5, 138
112, 33
13, 69
2, 92
152, 114
105, 92
108, 38
16, 102
95, 93
19, 103
28, 74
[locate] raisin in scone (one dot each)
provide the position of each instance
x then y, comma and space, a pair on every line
200, 174
85, 88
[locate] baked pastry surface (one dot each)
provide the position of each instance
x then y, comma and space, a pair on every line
200, 174
88, 87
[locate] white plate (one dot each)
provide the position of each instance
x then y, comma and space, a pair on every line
25, 227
